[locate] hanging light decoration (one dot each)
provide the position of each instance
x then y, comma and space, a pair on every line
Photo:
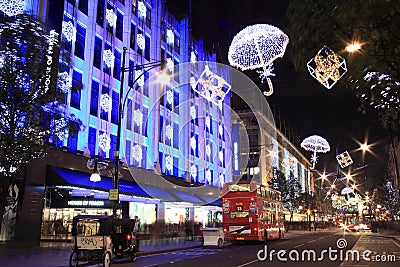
193, 143
104, 142
61, 129
208, 122
139, 77
170, 65
138, 117
208, 150
142, 10
193, 82
108, 58
193, 112
168, 163
12, 7
111, 17
193, 57
221, 179
327, 67
141, 42
221, 156
208, 175
69, 31
105, 102
170, 97
221, 130
137, 153
193, 171
316, 144
170, 37
169, 132
64, 82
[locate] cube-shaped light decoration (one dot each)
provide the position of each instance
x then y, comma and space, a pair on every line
211, 86
327, 67
344, 159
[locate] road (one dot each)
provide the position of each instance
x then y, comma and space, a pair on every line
330, 249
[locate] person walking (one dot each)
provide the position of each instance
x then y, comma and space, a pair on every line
136, 231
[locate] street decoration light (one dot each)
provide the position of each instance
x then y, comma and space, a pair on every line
316, 144
258, 46
344, 159
12, 7
353, 47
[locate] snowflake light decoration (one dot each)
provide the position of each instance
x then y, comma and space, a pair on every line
169, 132
193, 143
12, 7
108, 58
170, 65
327, 67
104, 142
257, 46
139, 77
61, 129
142, 9
111, 17
64, 82
170, 37
168, 163
105, 102
208, 175
193, 112
212, 87
193, 171
193, 57
170, 97
221, 156
69, 31
137, 153
141, 42
208, 150
138, 117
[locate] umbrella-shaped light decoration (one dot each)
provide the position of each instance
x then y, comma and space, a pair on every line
257, 46
316, 144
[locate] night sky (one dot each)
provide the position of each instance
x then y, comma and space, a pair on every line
301, 103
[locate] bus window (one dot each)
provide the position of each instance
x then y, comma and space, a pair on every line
259, 191
239, 188
239, 214
263, 192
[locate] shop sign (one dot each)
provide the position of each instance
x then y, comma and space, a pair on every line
113, 194
90, 203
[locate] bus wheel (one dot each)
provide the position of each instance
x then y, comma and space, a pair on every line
280, 233
220, 243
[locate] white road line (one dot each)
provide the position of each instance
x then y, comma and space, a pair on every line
247, 263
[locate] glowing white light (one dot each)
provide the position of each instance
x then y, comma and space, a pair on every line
142, 9
327, 67
170, 37
12, 7
141, 42
193, 57
344, 159
137, 153
104, 142
208, 150
170, 97
69, 31
193, 143
169, 131
111, 17
139, 81
168, 163
138, 117
221, 130
108, 58
193, 112
315, 144
64, 82
1, 61
257, 46
170, 65
193, 171
61, 129
221, 179
208, 176
105, 102
193, 83
221, 156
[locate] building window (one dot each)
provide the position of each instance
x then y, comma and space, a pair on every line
148, 17
176, 136
80, 41
113, 145
92, 141
83, 6
145, 122
147, 48
177, 44
94, 98
100, 12
115, 107
117, 64
120, 25
76, 94
133, 35
134, 7
72, 140
97, 52
176, 167
176, 102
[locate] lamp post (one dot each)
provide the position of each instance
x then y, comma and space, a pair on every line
146, 67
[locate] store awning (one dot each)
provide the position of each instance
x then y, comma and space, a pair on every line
187, 197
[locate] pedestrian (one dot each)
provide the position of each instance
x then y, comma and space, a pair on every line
136, 231
187, 230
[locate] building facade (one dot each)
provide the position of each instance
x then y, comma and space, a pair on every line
169, 131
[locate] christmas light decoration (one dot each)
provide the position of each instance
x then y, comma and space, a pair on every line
111, 17
170, 37
61, 129
138, 117
108, 58
193, 82
211, 86
257, 46
168, 163
344, 159
170, 97
208, 175
193, 171
221, 156
327, 67
170, 65
139, 77
193, 57
69, 31
104, 142
142, 10
221, 179
315, 143
208, 122
141, 42
64, 82
193, 112
137, 153
105, 102
193, 143
221, 130
168, 132
1, 61
12, 7
208, 150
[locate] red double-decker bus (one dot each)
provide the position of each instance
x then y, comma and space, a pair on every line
251, 211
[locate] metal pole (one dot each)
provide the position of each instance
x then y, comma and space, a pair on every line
116, 152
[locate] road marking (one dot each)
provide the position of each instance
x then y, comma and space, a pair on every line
248, 263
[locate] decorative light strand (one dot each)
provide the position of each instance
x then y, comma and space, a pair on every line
142, 10
111, 17
140, 81
137, 153
138, 117
168, 163
170, 97
193, 171
193, 57
170, 65
64, 82
12, 7
193, 112
170, 37
141, 42
193, 143
105, 102
69, 31
108, 58
104, 142
169, 132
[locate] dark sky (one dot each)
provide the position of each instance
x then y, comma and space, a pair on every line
306, 106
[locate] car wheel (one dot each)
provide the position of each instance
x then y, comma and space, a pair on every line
74, 259
107, 259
